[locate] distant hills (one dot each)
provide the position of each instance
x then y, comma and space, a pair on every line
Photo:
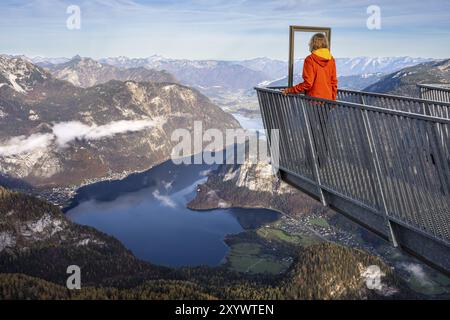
354, 82
202, 74
404, 82
86, 72
217, 75
369, 65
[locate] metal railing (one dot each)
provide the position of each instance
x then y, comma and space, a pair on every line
437, 108
435, 92
386, 167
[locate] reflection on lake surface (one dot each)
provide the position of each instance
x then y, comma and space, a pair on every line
148, 213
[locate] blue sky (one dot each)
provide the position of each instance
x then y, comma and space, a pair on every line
221, 29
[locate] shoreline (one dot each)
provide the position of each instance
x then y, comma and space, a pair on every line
236, 207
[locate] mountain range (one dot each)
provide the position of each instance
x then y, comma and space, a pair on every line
109, 117
77, 121
352, 82
86, 72
404, 82
209, 75
53, 133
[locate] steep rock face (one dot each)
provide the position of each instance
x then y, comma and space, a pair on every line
86, 72
404, 82
26, 222
251, 185
256, 177
56, 134
20, 75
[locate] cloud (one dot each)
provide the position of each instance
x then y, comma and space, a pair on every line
22, 144
65, 132
167, 185
418, 272
205, 173
73, 130
220, 29
164, 200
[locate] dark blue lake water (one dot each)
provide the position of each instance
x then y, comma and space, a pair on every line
147, 213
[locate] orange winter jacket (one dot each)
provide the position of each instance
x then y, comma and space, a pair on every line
319, 76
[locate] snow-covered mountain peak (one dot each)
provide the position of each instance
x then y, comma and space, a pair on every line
19, 74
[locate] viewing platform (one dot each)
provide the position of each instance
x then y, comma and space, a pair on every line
382, 160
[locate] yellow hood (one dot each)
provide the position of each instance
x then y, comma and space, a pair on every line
323, 53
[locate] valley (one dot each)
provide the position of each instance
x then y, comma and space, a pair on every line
50, 127
93, 137
258, 266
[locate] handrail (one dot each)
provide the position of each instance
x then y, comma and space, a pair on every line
435, 92
388, 95
395, 102
376, 94
443, 87
362, 106
387, 168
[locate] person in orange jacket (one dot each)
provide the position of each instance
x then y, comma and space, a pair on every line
319, 71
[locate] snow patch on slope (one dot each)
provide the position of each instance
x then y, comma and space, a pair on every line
19, 74
45, 223
6, 240
2, 113
14, 84
88, 241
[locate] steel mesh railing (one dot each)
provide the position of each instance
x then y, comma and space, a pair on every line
389, 159
436, 108
435, 92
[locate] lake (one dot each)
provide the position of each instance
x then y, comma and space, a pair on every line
147, 213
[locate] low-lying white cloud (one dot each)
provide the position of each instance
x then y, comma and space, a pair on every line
65, 132
23, 144
72, 130
164, 200
167, 185
418, 272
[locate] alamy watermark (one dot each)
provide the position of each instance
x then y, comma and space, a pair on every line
74, 280
374, 20
73, 22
